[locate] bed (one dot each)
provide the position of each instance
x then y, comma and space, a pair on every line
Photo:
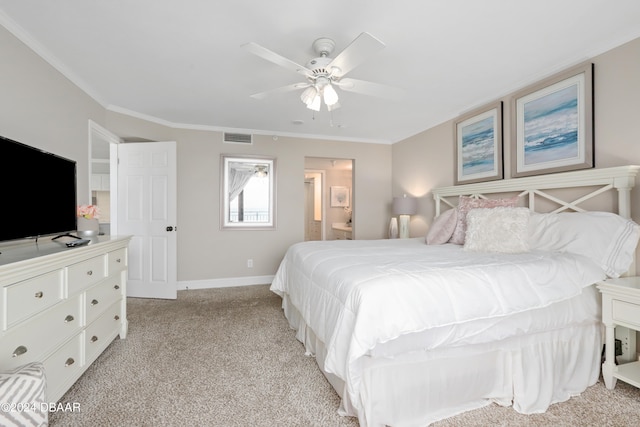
409, 333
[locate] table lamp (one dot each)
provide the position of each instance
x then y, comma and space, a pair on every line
404, 207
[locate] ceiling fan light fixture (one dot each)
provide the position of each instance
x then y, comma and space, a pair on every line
315, 103
330, 95
308, 95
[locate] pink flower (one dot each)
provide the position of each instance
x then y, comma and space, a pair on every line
88, 211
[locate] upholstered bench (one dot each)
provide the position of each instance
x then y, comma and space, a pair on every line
22, 396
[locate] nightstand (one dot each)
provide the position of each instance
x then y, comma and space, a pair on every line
620, 307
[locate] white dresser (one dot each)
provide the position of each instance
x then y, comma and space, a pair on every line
61, 306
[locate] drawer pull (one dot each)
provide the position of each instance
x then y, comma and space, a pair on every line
39, 294
69, 362
19, 351
69, 318
89, 273
94, 302
116, 287
118, 260
94, 338
116, 317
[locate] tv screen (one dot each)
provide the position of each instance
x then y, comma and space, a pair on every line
38, 192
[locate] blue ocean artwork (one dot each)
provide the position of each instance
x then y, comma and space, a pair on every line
478, 148
551, 127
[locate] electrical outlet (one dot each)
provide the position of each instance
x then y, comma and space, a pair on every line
250, 263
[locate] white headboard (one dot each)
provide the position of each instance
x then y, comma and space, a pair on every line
621, 178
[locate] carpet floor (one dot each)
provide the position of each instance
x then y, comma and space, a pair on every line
227, 357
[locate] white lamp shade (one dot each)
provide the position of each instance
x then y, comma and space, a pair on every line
405, 205
330, 95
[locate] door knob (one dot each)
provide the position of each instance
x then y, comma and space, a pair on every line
169, 228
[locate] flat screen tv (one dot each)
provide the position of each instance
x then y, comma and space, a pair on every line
37, 192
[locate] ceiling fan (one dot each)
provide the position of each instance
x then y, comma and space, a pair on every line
324, 73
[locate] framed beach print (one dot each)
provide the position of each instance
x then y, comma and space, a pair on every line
552, 124
339, 197
478, 145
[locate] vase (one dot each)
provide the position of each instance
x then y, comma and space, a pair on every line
88, 227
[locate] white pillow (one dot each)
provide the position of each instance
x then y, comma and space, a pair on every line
442, 227
466, 203
501, 229
607, 238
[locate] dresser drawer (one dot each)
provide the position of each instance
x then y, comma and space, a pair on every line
101, 296
29, 297
86, 273
63, 367
626, 312
117, 261
31, 340
102, 331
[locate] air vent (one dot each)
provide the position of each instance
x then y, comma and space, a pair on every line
238, 138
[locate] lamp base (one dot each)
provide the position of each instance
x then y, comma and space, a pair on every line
404, 226
393, 228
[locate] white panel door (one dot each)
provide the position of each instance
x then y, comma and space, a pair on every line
147, 211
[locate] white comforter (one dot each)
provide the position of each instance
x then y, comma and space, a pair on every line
357, 294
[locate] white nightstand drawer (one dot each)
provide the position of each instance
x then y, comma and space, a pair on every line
86, 273
29, 297
117, 261
101, 296
33, 339
628, 313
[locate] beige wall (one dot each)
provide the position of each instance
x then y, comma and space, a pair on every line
41, 108
205, 252
426, 160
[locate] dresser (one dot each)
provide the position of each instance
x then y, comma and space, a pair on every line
61, 306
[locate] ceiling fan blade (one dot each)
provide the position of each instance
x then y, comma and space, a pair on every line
353, 55
278, 90
370, 88
271, 56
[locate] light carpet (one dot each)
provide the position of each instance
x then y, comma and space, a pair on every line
227, 357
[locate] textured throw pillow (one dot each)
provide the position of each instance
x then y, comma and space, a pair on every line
606, 238
465, 204
442, 227
23, 391
504, 230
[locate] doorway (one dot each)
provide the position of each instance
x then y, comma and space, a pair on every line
327, 219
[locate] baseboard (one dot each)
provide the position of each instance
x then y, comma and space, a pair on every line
227, 282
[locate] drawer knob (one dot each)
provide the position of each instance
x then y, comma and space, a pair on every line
94, 302
69, 318
118, 260
116, 317
19, 351
89, 273
116, 287
94, 338
69, 362
39, 294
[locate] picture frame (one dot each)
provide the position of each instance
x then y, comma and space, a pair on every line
339, 196
478, 145
552, 124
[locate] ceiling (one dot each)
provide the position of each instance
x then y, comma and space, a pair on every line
181, 63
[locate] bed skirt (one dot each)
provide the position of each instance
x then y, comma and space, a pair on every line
529, 372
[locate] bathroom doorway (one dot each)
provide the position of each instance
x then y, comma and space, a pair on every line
328, 218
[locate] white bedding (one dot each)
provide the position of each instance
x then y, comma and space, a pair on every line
342, 291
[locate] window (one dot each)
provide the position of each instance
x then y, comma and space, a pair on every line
248, 192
